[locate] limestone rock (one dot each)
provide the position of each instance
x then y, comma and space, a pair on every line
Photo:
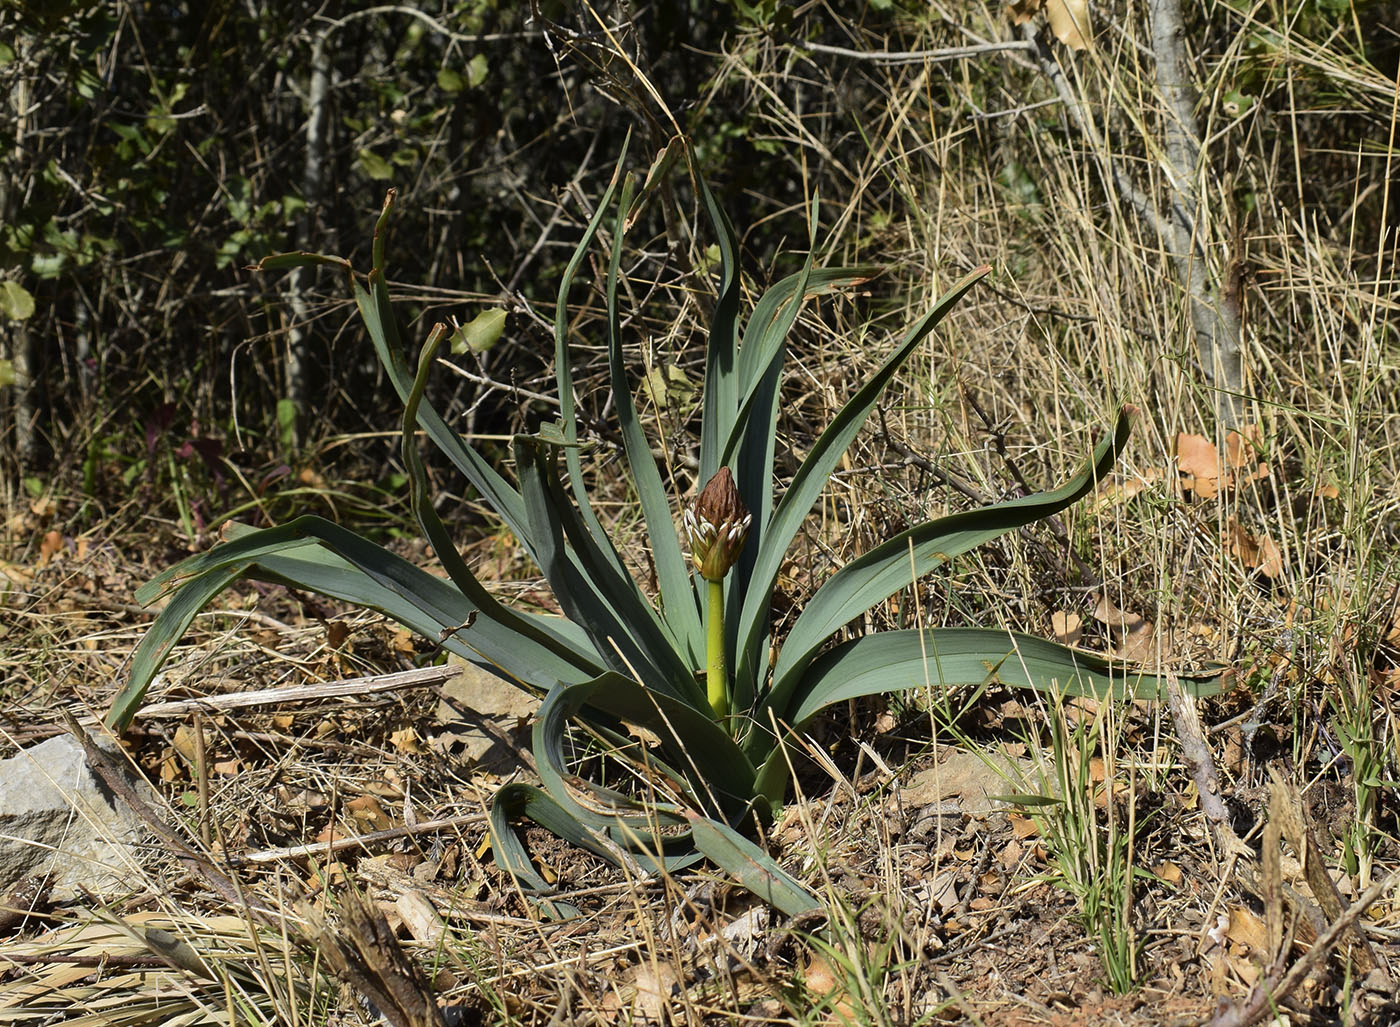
57, 818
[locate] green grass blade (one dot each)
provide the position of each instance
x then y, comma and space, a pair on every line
678, 594
893, 661
751, 866
812, 476
909, 555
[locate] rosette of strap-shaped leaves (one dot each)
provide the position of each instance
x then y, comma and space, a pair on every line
695, 663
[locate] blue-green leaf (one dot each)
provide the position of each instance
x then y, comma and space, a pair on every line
909, 555
673, 575
319, 556
721, 383
753, 867
564, 374
624, 627
754, 437
160, 638
946, 658
812, 476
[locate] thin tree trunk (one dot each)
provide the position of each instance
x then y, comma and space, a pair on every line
313, 175
16, 341
1214, 311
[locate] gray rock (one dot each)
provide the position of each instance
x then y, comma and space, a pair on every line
57, 818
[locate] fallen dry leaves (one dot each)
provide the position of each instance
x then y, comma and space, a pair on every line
1068, 19
1133, 634
1200, 468
1259, 553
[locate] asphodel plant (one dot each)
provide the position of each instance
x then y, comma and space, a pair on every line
696, 665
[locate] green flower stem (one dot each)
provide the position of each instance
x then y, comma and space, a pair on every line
716, 675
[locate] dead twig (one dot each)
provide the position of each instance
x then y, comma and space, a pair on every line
365, 841
421, 677
1268, 993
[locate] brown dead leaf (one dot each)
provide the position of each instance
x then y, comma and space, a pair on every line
368, 813
1098, 774
825, 984
1023, 826
1168, 872
1139, 645
1021, 11
14, 574
331, 875
1248, 943
1069, 20
301, 800
1106, 612
646, 994
1261, 554
186, 741
50, 547
172, 768
1199, 464
327, 834
1232, 757
406, 741
1066, 627
1134, 634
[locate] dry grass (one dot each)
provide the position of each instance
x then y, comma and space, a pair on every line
941, 912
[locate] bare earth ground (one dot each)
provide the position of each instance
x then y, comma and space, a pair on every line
945, 903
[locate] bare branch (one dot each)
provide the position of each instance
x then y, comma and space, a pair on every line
952, 53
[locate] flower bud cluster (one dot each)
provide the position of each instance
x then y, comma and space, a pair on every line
717, 526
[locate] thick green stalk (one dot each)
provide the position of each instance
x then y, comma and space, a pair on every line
716, 675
